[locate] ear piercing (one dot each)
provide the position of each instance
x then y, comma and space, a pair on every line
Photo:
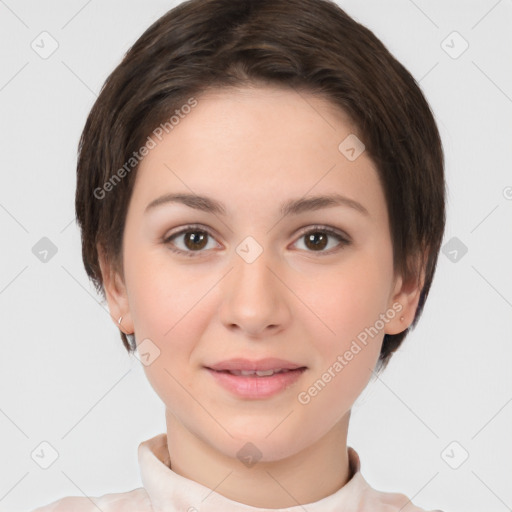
119, 323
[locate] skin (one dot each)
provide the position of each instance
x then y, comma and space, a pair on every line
252, 149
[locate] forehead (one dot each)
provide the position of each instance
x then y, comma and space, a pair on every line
258, 143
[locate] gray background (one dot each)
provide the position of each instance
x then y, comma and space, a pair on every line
65, 378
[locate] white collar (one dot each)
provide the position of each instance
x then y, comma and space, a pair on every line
170, 491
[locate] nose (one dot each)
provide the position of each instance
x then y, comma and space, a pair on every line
254, 298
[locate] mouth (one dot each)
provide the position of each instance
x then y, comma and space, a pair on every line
257, 384
258, 373
240, 364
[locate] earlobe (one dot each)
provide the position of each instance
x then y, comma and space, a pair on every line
115, 293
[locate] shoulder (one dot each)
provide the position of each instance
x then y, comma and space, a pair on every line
132, 501
394, 502
369, 498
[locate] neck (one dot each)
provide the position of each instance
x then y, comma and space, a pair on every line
303, 477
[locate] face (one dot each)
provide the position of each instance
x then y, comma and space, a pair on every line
201, 287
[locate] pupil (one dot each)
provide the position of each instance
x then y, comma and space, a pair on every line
311, 239
196, 239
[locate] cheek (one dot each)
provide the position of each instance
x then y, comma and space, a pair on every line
348, 339
351, 297
162, 296
166, 308
169, 307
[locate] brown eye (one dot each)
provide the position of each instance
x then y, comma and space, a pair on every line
193, 241
317, 239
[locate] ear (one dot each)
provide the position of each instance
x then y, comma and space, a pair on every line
115, 292
404, 299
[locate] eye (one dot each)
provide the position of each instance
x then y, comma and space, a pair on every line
316, 237
195, 239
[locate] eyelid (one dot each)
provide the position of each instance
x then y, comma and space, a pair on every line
326, 229
190, 227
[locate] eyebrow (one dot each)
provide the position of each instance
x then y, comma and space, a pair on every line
290, 207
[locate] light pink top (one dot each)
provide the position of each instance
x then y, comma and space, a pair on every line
166, 491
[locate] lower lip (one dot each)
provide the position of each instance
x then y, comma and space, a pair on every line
257, 387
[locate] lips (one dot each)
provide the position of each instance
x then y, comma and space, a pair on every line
240, 366
256, 387
257, 373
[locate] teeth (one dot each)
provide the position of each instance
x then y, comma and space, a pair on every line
266, 373
259, 373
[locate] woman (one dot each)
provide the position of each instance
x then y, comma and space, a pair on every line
261, 197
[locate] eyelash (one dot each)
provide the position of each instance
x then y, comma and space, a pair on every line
344, 241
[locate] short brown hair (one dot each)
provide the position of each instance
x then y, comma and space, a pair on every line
307, 45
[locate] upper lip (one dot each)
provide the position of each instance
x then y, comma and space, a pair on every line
254, 365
